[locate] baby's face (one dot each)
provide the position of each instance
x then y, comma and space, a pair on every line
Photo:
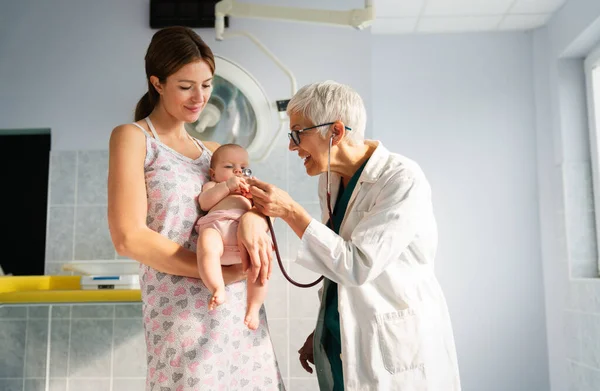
231, 163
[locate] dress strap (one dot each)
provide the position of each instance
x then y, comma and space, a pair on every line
153, 130
200, 145
151, 126
141, 128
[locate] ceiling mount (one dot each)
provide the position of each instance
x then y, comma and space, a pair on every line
357, 18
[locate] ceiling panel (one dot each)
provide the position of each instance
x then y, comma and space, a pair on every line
456, 24
398, 8
466, 7
523, 22
536, 6
394, 26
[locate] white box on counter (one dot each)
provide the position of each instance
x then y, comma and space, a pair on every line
128, 281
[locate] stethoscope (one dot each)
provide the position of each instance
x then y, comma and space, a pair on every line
247, 172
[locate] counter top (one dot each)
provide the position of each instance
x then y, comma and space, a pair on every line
58, 289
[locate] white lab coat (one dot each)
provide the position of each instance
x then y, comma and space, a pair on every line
395, 328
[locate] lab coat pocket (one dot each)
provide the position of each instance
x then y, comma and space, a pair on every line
399, 341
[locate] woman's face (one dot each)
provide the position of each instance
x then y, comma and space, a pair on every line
313, 148
186, 92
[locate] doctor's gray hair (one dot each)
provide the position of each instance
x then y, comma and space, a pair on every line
329, 101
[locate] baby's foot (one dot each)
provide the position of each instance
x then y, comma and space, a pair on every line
252, 318
218, 298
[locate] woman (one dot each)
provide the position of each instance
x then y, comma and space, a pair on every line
383, 322
156, 171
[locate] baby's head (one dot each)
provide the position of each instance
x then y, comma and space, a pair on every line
227, 161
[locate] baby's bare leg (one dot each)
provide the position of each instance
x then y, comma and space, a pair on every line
256, 298
209, 252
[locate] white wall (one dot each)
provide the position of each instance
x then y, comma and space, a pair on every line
569, 246
550, 184
463, 107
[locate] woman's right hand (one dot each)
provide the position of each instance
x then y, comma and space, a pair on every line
307, 353
233, 273
256, 247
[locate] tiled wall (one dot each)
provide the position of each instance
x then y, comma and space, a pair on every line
578, 246
579, 219
77, 223
94, 347
577, 258
582, 331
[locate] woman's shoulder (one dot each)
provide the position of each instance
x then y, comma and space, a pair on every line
129, 131
129, 137
211, 145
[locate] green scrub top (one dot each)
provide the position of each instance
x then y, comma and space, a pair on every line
331, 339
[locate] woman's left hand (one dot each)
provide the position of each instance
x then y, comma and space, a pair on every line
270, 200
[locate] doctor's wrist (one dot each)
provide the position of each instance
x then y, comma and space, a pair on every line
297, 218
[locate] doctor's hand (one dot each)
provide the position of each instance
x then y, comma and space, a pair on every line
269, 199
306, 353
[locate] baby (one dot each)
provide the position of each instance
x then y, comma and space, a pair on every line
225, 198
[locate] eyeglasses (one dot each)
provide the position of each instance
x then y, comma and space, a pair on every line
294, 135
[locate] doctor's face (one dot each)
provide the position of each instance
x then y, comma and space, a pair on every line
313, 147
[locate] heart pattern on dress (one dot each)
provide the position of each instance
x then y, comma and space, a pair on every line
188, 347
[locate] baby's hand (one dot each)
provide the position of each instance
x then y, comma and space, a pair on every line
244, 189
246, 192
237, 185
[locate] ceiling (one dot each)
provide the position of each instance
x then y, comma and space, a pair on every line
446, 16
441, 16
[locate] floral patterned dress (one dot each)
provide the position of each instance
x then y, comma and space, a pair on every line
188, 346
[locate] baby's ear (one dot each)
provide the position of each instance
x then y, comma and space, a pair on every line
211, 172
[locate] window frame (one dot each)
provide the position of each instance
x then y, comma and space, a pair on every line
592, 72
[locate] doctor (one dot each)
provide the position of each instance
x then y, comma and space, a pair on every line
383, 323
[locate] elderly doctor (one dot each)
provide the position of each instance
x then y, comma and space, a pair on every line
383, 323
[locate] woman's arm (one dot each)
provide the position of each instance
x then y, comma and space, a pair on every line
127, 208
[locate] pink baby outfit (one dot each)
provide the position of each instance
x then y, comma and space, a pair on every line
190, 348
225, 221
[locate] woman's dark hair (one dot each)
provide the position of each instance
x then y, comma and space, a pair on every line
169, 50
